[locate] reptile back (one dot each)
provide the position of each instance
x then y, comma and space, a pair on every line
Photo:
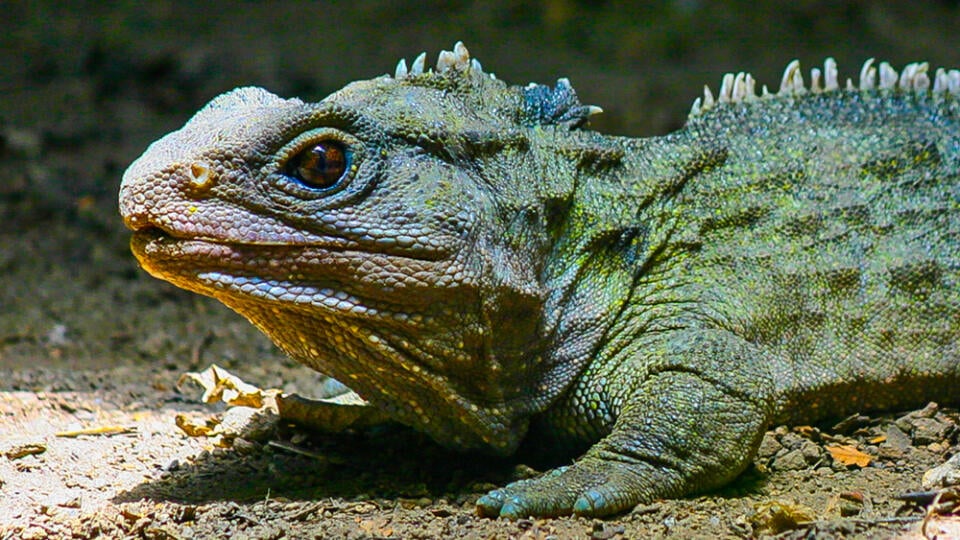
826, 229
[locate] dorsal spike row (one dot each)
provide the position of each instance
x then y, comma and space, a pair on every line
559, 105
733, 89
947, 81
792, 80
914, 78
888, 75
868, 75
418, 64
542, 104
815, 87
456, 60
830, 74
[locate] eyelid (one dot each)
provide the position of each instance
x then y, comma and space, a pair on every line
311, 137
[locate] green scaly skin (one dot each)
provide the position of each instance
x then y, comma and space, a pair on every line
487, 270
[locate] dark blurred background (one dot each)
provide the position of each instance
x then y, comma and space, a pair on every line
87, 85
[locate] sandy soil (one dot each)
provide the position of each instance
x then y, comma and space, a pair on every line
90, 342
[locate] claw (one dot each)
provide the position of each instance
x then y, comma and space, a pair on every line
585, 505
594, 503
490, 504
512, 509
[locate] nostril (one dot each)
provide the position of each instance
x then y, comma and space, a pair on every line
201, 175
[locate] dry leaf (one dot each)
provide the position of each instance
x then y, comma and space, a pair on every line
23, 450
252, 412
849, 455
220, 385
194, 429
778, 516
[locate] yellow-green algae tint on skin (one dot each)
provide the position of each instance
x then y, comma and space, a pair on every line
781, 257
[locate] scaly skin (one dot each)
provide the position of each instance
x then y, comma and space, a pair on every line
476, 265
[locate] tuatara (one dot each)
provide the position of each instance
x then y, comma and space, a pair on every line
471, 260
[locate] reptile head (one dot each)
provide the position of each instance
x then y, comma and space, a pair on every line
373, 235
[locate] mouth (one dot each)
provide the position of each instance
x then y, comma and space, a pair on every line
179, 260
217, 269
154, 243
231, 272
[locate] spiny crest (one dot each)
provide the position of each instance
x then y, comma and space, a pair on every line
456, 60
741, 87
557, 105
542, 105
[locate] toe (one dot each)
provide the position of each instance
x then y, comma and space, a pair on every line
490, 504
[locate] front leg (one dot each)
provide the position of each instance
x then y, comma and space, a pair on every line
691, 423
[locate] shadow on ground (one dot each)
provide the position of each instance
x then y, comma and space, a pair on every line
389, 463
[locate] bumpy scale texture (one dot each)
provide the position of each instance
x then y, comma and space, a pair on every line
469, 259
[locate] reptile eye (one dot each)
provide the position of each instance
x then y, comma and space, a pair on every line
321, 166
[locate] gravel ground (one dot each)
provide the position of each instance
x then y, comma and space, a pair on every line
91, 347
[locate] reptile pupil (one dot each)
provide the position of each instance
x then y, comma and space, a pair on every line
320, 166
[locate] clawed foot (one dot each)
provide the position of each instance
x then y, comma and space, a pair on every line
588, 488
